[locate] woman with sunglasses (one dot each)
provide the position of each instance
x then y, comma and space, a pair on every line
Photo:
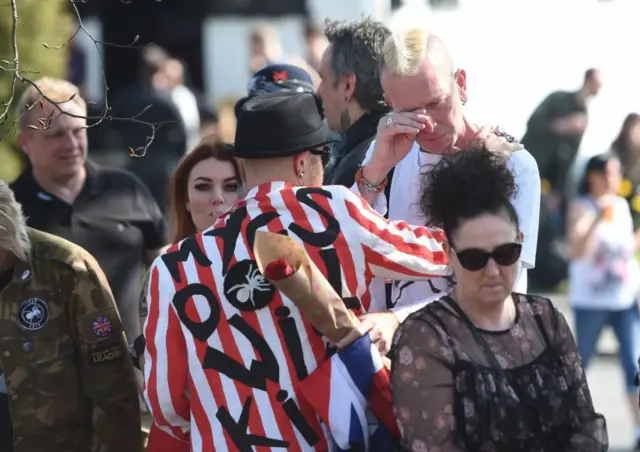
485, 369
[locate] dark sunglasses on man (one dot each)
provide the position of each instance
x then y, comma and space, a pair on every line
324, 153
474, 259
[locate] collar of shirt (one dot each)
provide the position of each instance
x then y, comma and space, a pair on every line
28, 184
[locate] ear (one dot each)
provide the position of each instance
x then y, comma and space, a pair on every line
349, 81
22, 143
300, 163
521, 236
461, 81
187, 207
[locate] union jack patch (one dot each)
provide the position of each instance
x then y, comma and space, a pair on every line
102, 326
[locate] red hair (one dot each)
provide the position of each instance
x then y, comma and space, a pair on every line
182, 223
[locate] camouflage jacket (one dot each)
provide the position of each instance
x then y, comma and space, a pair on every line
70, 380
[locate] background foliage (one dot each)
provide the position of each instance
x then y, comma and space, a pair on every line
39, 21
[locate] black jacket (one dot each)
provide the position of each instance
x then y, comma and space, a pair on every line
353, 149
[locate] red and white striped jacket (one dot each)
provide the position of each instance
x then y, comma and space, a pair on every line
225, 349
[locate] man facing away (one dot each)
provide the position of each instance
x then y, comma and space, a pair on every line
352, 97
68, 380
225, 349
428, 97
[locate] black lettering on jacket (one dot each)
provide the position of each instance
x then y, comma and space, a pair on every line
259, 372
334, 276
237, 430
318, 239
200, 330
187, 248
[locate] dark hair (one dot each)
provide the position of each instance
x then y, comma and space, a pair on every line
465, 185
183, 225
589, 74
357, 49
596, 164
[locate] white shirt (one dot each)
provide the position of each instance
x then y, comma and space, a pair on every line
608, 277
187, 105
404, 205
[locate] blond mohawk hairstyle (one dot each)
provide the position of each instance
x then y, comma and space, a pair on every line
407, 48
404, 50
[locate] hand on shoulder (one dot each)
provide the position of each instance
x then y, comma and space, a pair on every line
496, 140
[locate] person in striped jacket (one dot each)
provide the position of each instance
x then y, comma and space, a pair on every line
225, 349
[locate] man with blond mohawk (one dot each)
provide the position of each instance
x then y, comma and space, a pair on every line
428, 95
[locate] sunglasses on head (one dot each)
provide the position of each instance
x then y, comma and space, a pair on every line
474, 259
324, 153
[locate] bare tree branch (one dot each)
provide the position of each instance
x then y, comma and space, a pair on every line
21, 76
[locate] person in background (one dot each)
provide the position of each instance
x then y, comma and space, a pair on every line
170, 141
604, 275
283, 77
627, 148
428, 95
553, 136
66, 384
265, 47
279, 77
316, 44
206, 183
485, 368
106, 211
184, 99
352, 96
209, 121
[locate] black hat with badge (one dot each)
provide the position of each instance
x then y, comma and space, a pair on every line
279, 124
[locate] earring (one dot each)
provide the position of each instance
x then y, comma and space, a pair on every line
302, 173
464, 101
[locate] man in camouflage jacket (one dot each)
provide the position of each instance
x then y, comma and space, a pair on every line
68, 376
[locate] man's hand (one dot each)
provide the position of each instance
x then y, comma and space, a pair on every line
380, 325
496, 141
394, 139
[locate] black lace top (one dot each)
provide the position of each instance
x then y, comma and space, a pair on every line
459, 388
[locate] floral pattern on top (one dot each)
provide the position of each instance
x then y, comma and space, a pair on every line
450, 395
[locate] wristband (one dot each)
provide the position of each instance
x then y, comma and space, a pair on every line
368, 186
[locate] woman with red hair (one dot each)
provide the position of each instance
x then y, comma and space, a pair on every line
207, 182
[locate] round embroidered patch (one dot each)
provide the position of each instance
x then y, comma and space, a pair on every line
102, 326
33, 314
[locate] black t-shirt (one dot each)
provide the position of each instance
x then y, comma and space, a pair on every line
6, 430
114, 218
553, 153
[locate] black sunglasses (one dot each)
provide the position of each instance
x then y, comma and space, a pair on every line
324, 153
474, 259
